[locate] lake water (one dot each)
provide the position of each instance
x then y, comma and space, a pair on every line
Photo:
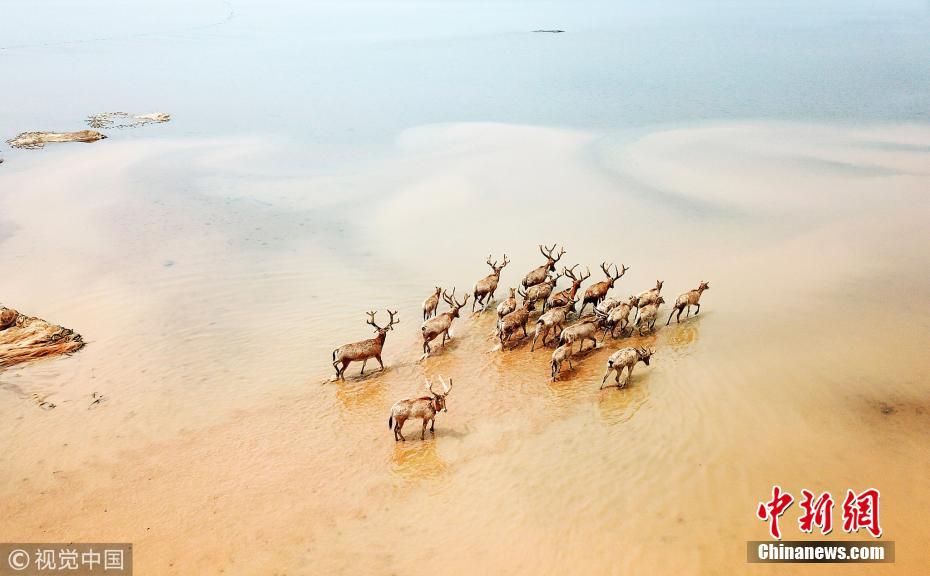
326, 159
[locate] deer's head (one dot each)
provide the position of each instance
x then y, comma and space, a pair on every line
645, 354
454, 305
439, 398
551, 256
382, 331
497, 268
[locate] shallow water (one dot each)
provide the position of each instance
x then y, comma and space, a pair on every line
214, 262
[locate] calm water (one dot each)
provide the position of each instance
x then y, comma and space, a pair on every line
325, 159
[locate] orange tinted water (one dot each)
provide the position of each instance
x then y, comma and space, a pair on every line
212, 291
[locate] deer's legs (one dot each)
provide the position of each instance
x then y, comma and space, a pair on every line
524, 330
432, 424
365, 361
606, 374
698, 308
338, 373
378, 358
672, 313
423, 432
533, 346
398, 435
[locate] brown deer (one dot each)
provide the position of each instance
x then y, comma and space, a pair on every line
431, 304
508, 305
425, 408
597, 292
626, 358
584, 329
562, 297
540, 274
516, 319
553, 319
648, 297
442, 322
485, 287
561, 354
540, 292
647, 316
687, 300
617, 316
365, 349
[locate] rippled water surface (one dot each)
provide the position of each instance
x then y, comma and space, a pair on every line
325, 159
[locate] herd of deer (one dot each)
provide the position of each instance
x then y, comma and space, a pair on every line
610, 314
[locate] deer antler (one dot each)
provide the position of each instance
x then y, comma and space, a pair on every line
464, 302
503, 263
494, 265
446, 387
586, 276
447, 297
429, 386
371, 319
622, 272
605, 268
392, 320
570, 272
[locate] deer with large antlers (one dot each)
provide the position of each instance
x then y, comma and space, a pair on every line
540, 292
508, 305
431, 304
365, 349
597, 292
626, 358
562, 297
539, 275
485, 287
552, 319
687, 300
442, 322
425, 408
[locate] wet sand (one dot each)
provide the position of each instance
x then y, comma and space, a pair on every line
212, 285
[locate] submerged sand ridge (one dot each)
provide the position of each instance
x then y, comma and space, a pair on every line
220, 447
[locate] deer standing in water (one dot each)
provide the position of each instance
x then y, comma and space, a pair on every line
648, 297
585, 329
597, 292
425, 408
442, 322
561, 354
618, 315
687, 300
365, 349
647, 316
564, 296
538, 275
485, 287
516, 319
431, 304
552, 319
540, 292
626, 358
508, 305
